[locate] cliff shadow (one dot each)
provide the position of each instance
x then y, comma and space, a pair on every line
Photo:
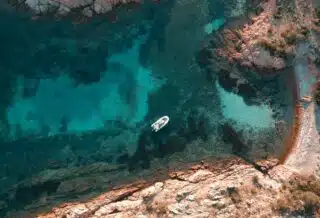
317, 116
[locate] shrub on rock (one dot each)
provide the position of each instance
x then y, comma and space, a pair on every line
317, 95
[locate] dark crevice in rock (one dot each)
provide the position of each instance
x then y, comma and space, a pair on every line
26, 195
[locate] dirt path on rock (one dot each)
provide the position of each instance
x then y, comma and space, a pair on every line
305, 156
302, 148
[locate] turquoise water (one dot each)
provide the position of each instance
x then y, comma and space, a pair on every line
236, 109
213, 25
73, 96
121, 96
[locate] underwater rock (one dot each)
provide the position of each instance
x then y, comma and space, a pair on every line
169, 105
196, 125
230, 136
226, 81
173, 144
123, 159
235, 8
142, 155
171, 139
240, 86
169, 50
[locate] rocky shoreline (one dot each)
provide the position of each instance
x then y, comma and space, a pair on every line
227, 187
304, 157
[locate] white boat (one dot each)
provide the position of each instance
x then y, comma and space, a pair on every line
160, 123
306, 99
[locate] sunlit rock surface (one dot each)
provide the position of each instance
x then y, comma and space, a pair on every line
268, 41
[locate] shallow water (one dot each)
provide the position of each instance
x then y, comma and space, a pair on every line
120, 95
236, 109
78, 95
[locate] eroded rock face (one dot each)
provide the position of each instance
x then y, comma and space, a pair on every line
229, 188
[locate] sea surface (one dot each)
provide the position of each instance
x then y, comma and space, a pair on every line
78, 94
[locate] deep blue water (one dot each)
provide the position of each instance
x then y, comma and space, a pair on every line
74, 95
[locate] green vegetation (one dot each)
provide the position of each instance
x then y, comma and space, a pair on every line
283, 43
273, 46
317, 10
234, 195
317, 94
300, 194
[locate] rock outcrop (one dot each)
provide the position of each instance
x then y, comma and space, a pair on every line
204, 190
87, 8
267, 42
249, 59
